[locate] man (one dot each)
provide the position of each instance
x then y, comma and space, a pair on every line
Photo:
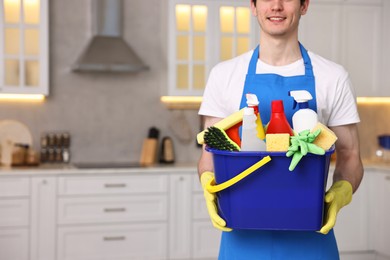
278, 65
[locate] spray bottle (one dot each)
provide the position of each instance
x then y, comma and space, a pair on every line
249, 140
252, 101
305, 118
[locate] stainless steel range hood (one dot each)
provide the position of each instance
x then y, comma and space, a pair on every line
107, 51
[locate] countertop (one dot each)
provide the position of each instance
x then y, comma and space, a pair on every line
69, 169
190, 168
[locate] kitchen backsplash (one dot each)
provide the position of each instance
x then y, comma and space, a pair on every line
374, 121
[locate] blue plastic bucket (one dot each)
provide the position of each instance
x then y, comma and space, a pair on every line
272, 197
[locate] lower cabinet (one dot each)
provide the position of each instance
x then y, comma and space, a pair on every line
114, 242
191, 233
14, 218
158, 215
14, 243
114, 217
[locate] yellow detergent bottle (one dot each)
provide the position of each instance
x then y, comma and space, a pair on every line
252, 101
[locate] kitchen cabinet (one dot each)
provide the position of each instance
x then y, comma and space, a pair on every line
355, 34
205, 238
150, 214
43, 203
14, 218
352, 226
202, 33
379, 209
24, 47
114, 217
192, 236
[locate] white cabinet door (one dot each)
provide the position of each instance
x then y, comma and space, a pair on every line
205, 237
24, 54
353, 33
180, 216
43, 213
361, 47
352, 228
380, 212
14, 244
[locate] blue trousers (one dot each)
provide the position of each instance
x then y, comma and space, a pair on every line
277, 245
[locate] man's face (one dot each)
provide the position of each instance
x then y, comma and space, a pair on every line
279, 18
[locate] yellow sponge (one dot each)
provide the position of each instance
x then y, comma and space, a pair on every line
277, 142
326, 138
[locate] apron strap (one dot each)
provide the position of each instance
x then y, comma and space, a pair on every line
305, 56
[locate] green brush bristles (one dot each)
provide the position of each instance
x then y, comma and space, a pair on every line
217, 138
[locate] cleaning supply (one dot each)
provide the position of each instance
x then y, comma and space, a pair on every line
234, 133
338, 196
252, 101
224, 124
326, 138
249, 139
305, 118
277, 142
301, 145
278, 123
217, 138
207, 179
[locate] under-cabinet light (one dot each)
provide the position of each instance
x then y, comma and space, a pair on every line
22, 97
373, 100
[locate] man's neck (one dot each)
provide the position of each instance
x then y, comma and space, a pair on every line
279, 52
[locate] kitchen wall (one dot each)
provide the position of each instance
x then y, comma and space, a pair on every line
108, 115
374, 121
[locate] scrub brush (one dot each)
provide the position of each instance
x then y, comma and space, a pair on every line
217, 138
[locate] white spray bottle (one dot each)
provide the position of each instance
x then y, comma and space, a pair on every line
305, 118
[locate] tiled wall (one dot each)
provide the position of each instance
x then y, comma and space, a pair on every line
375, 120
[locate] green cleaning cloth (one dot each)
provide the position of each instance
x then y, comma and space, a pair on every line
301, 145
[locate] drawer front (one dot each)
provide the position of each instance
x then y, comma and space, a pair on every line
112, 209
14, 187
14, 212
112, 185
14, 244
138, 241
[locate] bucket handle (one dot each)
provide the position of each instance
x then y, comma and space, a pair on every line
213, 188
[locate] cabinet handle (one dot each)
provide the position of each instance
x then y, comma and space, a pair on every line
118, 238
115, 185
114, 209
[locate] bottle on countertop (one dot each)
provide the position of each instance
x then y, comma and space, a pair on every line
305, 118
278, 123
249, 139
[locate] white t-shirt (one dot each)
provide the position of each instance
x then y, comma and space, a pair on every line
336, 101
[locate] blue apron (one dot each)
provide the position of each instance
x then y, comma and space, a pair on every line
278, 245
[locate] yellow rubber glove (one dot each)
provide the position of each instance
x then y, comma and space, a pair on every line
205, 179
338, 196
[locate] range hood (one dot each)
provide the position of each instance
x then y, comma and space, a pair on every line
107, 51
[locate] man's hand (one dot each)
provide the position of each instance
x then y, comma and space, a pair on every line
205, 179
339, 195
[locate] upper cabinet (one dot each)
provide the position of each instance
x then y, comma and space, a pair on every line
201, 34
24, 47
354, 33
